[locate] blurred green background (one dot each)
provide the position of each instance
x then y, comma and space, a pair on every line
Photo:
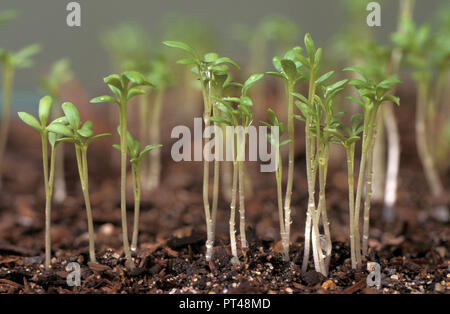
44, 22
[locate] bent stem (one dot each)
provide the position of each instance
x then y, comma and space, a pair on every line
282, 217
81, 153
8, 77
135, 171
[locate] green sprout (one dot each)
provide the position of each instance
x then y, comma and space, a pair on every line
240, 118
373, 94
136, 156
10, 62
58, 75
291, 72
72, 130
321, 121
284, 217
40, 125
124, 87
348, 141
208, 70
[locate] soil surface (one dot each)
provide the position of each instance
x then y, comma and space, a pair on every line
413, 251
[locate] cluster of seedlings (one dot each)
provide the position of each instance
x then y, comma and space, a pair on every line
229, 103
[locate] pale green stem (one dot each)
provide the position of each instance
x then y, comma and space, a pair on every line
350, 150
83, 172
123, 179
242, 196
290, 178
310, 174
369, 180
137, 202
60, 192
233, 213
209, 223
48, 201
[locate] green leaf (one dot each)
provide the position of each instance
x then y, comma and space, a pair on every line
357, 70
187, 61
276, 74
182, 46
30, 120
147, 149
45, 105
60, 129
220, 120
53, 139
134, 77
211, 57
324, 77
289, 68
250, 82
97, 137
116, 146
72, 114
395, 100
103, 99
356, 120
227, 60
309, 44
114, 80
135, 91
358, 101
285, 142
86, 129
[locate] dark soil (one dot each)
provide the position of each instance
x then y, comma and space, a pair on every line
413, 251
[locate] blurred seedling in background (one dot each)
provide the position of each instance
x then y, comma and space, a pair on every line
274, 139
429, 57
273, 35
160, 74
45, 105
70, 129
10, 62
7, 16
124, 87
208, 71
240, 117
59, 74
136, 156
197, 33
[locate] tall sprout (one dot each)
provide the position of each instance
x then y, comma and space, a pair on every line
47, 137
70, 129
426, 56
59, 74
136, 157
239, 117
207, 69
124, 87
289, 70
284, 217
10, 62
322, 121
